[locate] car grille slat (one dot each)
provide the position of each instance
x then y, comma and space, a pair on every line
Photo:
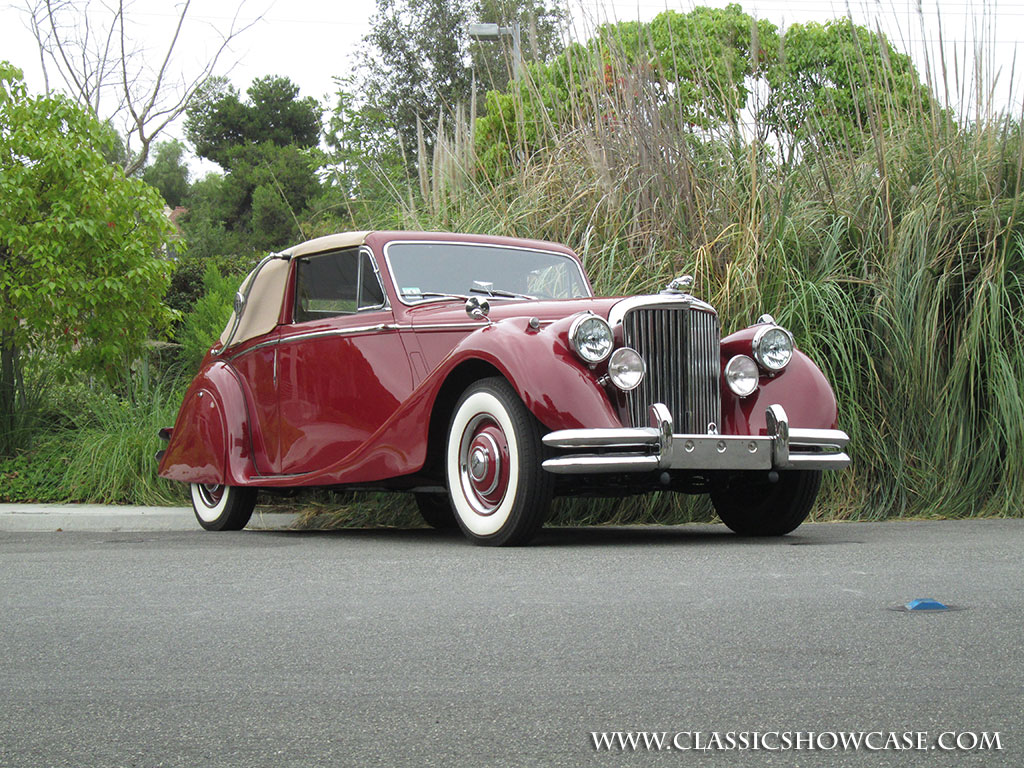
681, 348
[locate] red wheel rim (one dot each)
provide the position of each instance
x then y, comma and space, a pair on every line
484, 464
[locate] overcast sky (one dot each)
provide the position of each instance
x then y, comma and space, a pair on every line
311, 41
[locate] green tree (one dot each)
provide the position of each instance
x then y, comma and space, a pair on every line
417, 62
366, 164
218, 122
169, 172
836, 83
540, 32
267, 146
693, 69
80, 275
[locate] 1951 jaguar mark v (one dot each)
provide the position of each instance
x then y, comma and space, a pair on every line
483, 376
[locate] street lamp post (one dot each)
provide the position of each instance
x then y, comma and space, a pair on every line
493, 33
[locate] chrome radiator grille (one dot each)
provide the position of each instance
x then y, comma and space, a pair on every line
680, 347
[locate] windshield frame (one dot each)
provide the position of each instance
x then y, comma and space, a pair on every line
479, 244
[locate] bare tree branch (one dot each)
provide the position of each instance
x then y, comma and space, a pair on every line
91, 49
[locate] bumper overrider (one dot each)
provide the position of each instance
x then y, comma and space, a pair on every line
656, 447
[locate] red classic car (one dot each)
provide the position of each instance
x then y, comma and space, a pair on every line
482, 375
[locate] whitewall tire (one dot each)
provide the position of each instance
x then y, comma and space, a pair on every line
222, 507
499, 492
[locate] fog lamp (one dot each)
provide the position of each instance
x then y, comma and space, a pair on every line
741, 375
626, 368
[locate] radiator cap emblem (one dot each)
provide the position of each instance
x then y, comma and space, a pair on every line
679, 285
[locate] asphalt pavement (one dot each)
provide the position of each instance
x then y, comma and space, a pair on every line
391, 647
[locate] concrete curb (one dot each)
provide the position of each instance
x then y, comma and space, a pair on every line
27, 518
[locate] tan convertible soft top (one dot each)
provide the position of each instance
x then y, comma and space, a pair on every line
263, 307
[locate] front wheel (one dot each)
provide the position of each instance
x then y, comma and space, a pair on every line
222, 507
752, 506
499, 491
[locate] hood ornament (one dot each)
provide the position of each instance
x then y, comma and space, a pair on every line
679, 285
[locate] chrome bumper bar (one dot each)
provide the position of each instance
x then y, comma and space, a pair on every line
658, 448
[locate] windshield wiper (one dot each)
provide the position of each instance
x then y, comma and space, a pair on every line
432, 295
487, 290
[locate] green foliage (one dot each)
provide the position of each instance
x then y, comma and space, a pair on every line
210, 313
169, 172
80, 273
218, 123
701, 61
837, 83
366, 163
417, 63
100, 448
268, 146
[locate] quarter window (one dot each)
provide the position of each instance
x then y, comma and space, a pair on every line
339, 283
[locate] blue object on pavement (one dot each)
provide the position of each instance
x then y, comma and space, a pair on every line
926, 604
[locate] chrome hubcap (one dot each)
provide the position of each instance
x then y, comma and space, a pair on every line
484, 464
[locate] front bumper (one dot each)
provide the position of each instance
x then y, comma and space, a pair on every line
658, 448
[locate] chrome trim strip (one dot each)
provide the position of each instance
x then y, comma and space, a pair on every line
398, 292
376, 271
338, 332
621, 308
318, 335
253, 348
443, 327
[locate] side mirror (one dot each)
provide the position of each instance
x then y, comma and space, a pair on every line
477, 308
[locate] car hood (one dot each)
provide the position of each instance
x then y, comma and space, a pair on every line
502, 309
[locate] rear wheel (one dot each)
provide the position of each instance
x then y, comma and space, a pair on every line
752, 506
222, 507
436, 510
500, 493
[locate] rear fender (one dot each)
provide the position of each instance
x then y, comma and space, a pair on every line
210, 440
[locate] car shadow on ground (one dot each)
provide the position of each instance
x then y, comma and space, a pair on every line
591, 536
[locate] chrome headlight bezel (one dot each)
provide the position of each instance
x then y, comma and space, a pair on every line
762, 356
619, 369
741, 368
579, 327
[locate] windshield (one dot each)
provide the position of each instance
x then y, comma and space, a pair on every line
425, 271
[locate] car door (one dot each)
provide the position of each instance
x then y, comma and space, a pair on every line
342, 368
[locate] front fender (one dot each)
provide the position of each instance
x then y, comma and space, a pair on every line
210, 441
800, 388
557, 387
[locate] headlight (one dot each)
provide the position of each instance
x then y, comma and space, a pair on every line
773, 347
626, 368
741, 375
591, 337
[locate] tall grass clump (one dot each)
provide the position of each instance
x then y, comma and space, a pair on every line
813, 176
97, 446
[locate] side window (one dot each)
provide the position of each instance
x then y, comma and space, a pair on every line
370, 294
329, 284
